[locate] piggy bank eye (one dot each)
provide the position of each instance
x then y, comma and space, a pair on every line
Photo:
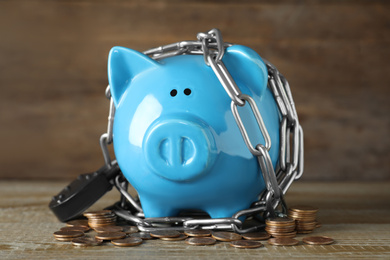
173, 92
187, 91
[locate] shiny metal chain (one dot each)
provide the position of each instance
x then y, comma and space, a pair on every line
290, 166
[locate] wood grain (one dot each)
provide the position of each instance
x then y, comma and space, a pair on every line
355, 215
53, 57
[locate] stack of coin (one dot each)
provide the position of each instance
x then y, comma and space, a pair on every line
280, 227
67, 235
100, 218
305, 218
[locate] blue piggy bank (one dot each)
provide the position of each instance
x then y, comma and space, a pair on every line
175, 138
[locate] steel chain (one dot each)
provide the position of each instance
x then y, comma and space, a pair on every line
290, 166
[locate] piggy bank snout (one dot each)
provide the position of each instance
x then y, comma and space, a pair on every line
179, 149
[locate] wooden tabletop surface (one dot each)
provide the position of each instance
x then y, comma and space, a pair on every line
356, 215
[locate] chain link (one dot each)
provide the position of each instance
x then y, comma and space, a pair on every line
290, 166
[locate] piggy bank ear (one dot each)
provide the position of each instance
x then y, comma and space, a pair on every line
123, 65
246, 67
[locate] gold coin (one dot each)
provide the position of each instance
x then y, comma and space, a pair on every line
86, 241
108, 229
64, 239
75, 228
245, 244
283, 241
304, 231
270, 230
129, 241
306, 223
302, 208
197, 232
77, 222
302, 213
288, 234
97, 213
102, 224
100, 218
280, 221
256, 236
318, 224
73, 234
110, 235
200, 241
142, 235
164, 233
318, 240
130, 229
181, 237
226, 236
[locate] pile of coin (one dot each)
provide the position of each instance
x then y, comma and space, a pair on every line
105, 228
100, 218
305, 218
281, 227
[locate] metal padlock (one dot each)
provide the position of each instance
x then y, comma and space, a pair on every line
83, 192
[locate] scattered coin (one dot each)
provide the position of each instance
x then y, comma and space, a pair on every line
108, 229
75, 228
142, 235
301, 219
283, 241
164, 233
77, 222
200, 241
226, 236
197, 232
68, 234
129, 241
245, 244
256, 236
318, 240
181, 237
130, 229
86, 241
110, 235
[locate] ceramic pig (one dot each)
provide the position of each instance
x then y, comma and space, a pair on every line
175, 138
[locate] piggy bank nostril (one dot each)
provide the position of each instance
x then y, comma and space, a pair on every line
187, 91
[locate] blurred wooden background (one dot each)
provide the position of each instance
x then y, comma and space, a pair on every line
53, 57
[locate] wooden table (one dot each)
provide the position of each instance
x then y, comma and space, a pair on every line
356, 215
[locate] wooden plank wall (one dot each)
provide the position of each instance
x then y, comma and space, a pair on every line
53, 57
